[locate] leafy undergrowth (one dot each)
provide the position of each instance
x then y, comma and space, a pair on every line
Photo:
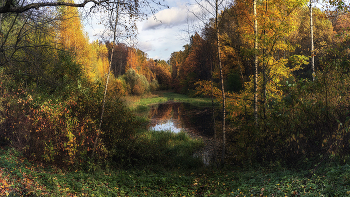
19, 177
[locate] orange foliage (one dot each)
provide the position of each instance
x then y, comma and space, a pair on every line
162, 73
194, 67
342, 27
137, 61
191, 63
160, 113
117, 87
132, 60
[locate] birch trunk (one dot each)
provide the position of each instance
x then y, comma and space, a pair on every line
106, 87
264, 70
255, 64
312, 43
222, 85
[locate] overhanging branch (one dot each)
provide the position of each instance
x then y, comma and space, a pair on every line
9, 8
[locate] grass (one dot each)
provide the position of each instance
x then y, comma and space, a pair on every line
161, 148
165, 167
20, 177
141, 103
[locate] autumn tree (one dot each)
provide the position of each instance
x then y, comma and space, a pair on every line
195, 67
162, 74
323, 38
278, 21
176, 60
73, 39
119, 57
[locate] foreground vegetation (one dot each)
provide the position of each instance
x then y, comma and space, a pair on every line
292, 140
20, 177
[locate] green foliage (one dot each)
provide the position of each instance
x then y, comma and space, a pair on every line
119, 130
58, 124
137, 84
154, 85
19, 177
308, 125
163, 75
64, 75
234, 82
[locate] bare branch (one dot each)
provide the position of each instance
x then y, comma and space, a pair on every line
9, 8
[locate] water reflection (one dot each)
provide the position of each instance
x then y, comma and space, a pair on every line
177, 116
167, 126
196, 121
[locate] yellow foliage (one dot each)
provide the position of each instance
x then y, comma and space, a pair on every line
116, 87
92, 56
204, 88
238, 104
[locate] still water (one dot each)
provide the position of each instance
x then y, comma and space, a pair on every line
196, 121
182, 116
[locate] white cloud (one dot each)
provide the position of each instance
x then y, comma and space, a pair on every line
156, 57
175, 16
168, 18
163, 41
145, 46
160, 39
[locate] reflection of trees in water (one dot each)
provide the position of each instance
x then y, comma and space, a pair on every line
183, 115
196, 121
160, 114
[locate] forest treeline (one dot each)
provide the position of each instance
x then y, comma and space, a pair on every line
53, 79
302, 117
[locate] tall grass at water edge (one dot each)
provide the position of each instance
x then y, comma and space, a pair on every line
140, 103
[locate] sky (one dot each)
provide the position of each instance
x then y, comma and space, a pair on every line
169, 33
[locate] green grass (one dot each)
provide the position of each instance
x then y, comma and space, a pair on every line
161, 149
141, 103
19, 177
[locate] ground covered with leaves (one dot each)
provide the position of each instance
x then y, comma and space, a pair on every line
20, 177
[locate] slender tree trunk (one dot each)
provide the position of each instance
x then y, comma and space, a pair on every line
222, 85
106, 87
312, 43
255, 64
1, 4
264, 71
0, 22
213, 113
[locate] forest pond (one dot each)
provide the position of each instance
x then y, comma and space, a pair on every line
196, 121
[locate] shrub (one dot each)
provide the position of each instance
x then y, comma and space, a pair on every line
63, 131
60, 134
117, 87
154, 85
308, 124
137, 84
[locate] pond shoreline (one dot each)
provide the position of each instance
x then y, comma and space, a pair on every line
158, 97
195, 121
